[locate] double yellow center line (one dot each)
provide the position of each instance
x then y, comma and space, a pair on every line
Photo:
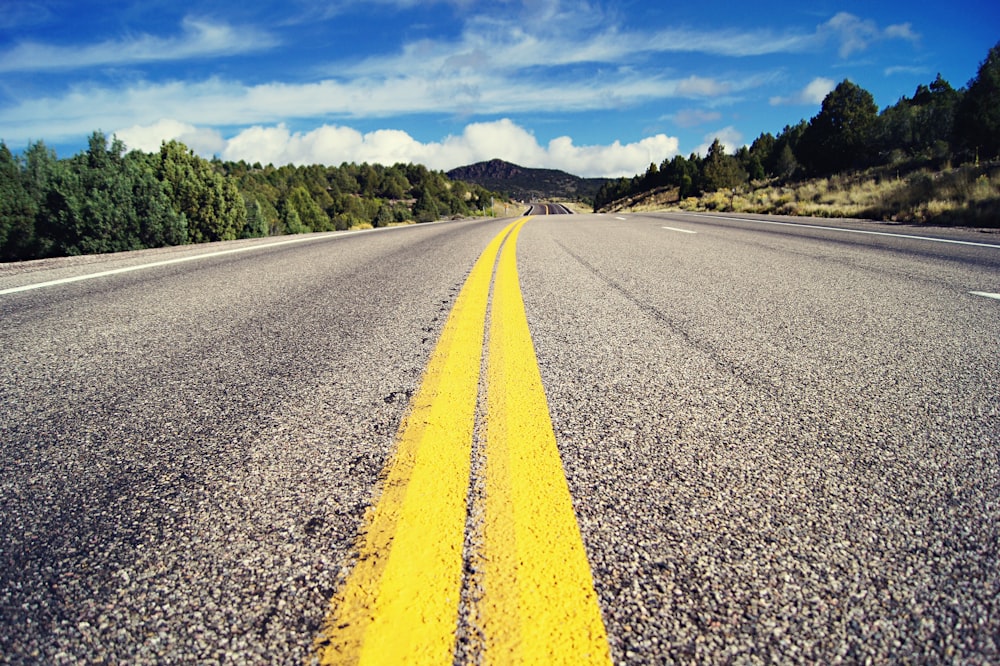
536, 601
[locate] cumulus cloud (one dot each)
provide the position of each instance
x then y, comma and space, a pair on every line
730, 137
332, 144
611, 161
814, 93
204, 141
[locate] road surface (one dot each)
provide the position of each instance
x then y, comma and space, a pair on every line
547, 209
781, 441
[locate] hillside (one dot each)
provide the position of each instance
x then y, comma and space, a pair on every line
967, 195
932, 158
527, 184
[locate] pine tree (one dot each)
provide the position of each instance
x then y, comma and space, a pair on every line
722, 171
838, 137
977, 122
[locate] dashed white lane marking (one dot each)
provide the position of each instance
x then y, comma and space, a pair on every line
985, 294
621, 218
683, 231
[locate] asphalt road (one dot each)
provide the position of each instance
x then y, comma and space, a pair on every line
547, 209
782, 442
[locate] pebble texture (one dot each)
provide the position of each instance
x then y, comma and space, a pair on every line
782, 445
188, 451
781, 451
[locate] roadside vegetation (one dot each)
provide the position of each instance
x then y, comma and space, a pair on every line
931, 158
109, 199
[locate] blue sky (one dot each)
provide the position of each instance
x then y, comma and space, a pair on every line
594, 88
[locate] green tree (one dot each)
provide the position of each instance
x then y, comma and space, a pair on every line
786, 166
394, 184
754, 168
257, 224
309, 213
721, 171
784, 162
683, 173
258, 185
17, 210
369, 180
762, 149
838, 136
977, 121
293, 223
41, 171
159, 224
105, 220
211, 204
919, 127
56, 185
106, 201
651, 178
343, 179
384, 217
426, 208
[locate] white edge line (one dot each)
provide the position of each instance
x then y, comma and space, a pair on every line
985, 294
179, 260
683, 231
849, 231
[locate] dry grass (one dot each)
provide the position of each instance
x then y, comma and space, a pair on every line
968, 196
575, 206
658, 199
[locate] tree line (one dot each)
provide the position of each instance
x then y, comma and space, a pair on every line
110, 199
936, 126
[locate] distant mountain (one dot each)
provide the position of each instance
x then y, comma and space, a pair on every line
527, 184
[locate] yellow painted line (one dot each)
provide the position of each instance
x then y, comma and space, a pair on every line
400, 603
538, 605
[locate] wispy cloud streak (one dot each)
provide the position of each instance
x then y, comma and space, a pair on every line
199, 38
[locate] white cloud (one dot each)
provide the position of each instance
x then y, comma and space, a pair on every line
730, 137
856, 34
817, 90
199, 38
498, 65
312, 11
220, 103
503, 46
907, 69
16, 15
689, 118
611, 161
730, 42
330, 144
204, 141
814, 93
495, 67
699, 86
902, 31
